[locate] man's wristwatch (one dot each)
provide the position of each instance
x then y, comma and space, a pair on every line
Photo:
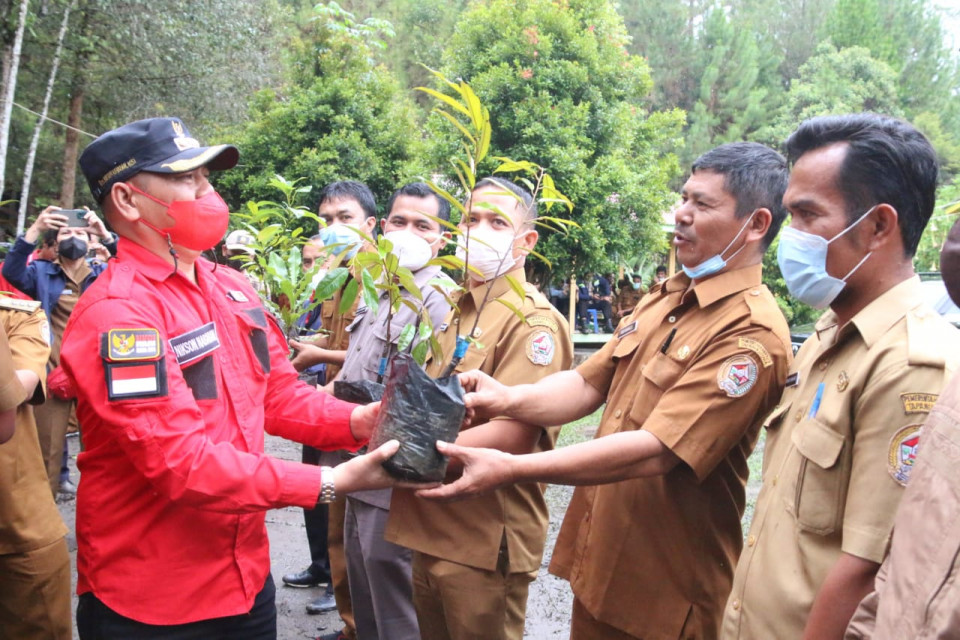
328, 491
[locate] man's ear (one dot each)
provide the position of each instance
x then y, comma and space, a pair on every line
119, 202
528, 239
883, 225
759, 225
383, 225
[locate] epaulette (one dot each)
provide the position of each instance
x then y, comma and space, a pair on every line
18, 304
925, 339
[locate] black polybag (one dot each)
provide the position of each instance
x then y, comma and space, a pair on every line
358, 391
418, 410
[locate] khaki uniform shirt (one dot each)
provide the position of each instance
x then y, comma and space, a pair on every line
369, 333
64, 307
28, 515
698, 368
470, 532
917, 588
336, 323
627, 299
834, 469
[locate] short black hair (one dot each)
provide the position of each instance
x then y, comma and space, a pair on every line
887, 162
352, 190
421, 190
661, 268
50, 237
755, 175
523, 196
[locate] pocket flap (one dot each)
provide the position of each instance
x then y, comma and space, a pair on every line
818, 443
662, 371
773, 418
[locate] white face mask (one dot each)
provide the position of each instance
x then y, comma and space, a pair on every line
492, 256
412, 251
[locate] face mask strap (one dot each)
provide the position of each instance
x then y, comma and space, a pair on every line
859, 264
854, 223
734, 239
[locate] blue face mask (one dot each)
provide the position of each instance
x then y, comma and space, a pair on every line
802, 258
715, 264
343, 235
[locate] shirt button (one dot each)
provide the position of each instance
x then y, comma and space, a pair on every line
799, 415
672, 319
736, 604
822, 366
617, 413
775, 480
754, 292
751, 540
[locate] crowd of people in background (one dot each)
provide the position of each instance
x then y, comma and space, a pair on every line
146, 327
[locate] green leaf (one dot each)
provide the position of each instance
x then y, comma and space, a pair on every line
330, 283
370, 297
407, 282
516, 286
513, 308
456, 123
485, 133
349, 296
442, 97
435, 348
406, 337
420, 352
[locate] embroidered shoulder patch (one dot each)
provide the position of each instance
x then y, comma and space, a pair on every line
758, 348
131, 344
902, 455
132, 363
541, 348
737, 375
543, 321
918, 402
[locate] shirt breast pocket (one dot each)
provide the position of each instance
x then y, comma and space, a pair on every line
253, 327
819, 495
660, 373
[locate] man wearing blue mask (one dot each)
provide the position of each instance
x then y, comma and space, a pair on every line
348, 209
687, 379
843, 439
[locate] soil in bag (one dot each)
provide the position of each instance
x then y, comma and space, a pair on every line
418, 410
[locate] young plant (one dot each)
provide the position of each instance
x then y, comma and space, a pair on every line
465, 111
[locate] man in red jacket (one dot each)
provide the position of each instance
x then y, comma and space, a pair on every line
179, 372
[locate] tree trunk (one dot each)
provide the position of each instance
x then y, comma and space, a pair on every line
6, 102
68, 184
32, 153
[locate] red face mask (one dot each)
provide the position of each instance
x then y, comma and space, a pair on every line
198, 224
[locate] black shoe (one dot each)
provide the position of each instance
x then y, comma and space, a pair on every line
608, 329
67, 487
305, 578
324, 603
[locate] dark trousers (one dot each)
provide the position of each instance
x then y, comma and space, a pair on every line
96, 621
316, 521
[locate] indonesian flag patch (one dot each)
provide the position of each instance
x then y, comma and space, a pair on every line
133, 363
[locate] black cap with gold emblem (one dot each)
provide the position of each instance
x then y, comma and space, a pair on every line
160, 145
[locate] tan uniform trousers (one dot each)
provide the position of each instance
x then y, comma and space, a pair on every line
338, 566
53, 416
457, 602
35, 594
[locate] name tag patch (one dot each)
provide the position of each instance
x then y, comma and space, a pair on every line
195, 344
793, 379
627, 330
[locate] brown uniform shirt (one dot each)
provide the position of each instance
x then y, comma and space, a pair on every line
28, 515
469, 532
627, 299
917, 590
833, 474
64, 307
336, 323
654, 556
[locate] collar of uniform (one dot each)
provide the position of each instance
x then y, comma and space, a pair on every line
420, 277
500, 287
727, 283
876, 318
150, 264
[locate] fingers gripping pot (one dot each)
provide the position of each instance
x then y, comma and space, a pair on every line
418, 410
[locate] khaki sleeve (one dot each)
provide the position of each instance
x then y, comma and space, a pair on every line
28, 336
713, 403
599, 368
881, 426
12, 393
